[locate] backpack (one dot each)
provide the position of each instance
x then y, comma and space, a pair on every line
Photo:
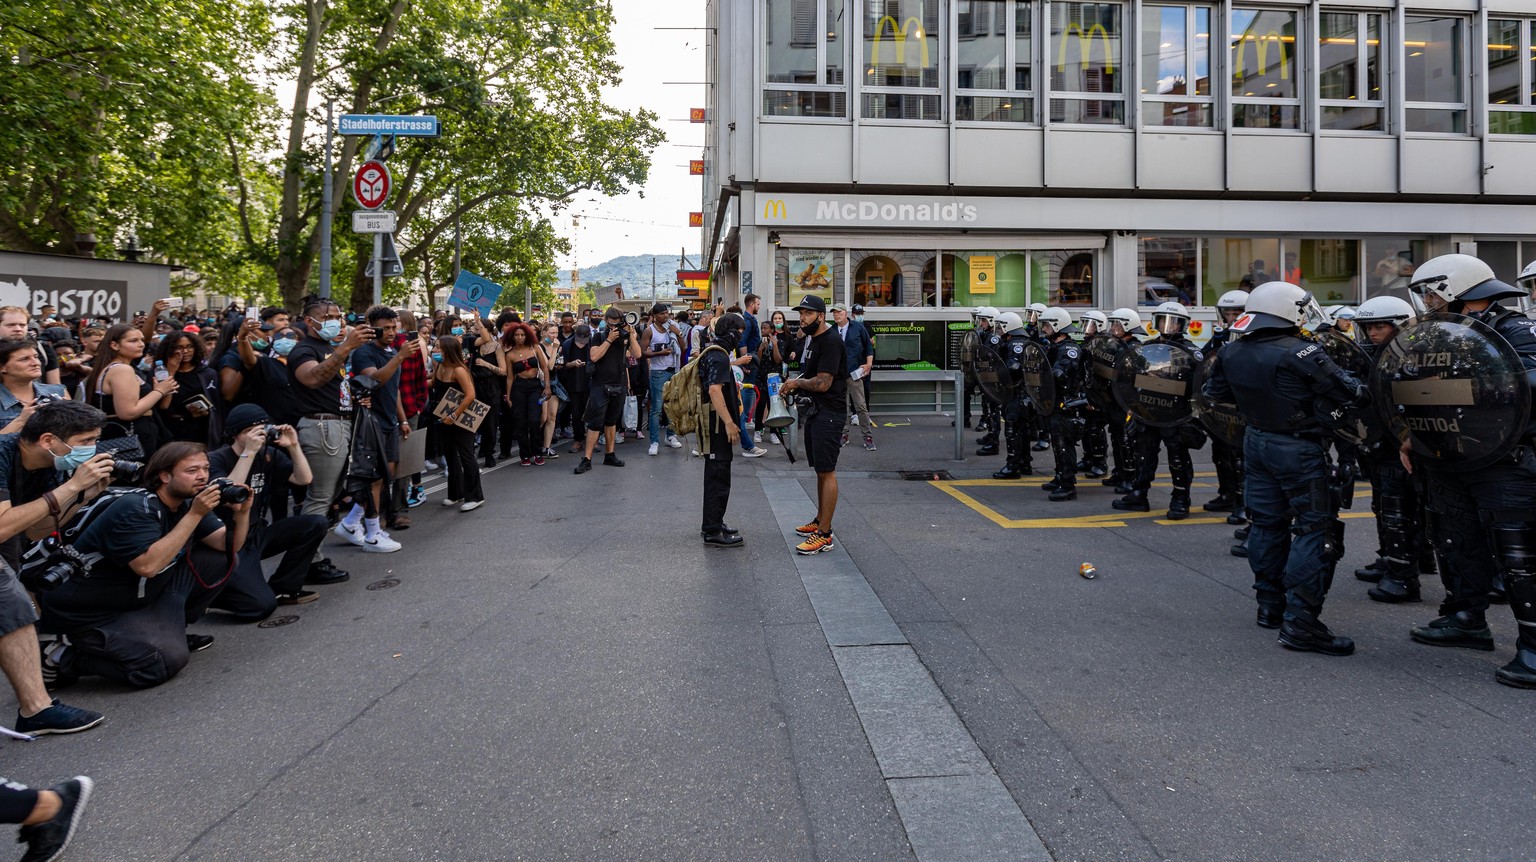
683, 400
40, 554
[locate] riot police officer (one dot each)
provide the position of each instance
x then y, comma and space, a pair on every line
1066, 372
982, 326
1018, 419
1228, 459
1483, 520
1124, 324
992, 337
1095, 461
1171, 320
1285, 387
1394, 499
1040, 430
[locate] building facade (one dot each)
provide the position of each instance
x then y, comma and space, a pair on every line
922, 157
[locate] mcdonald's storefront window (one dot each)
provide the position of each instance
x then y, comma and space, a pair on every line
804, 62
993, 52
1435, 80
1176, 66
911, 278
802, 271
901, 55
1087, 63
1266, 90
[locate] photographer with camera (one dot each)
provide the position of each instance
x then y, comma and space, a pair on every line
156, 559
610, 370
21, 386
266, 458
51, 465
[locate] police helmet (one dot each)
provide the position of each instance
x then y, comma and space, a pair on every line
1383, 309
1527, 277
1033, 311
1275, 305
1459, 278
1096, 319
1233, 299
1009, 322
985, 312
1128, 319
1170, 318
1058, 320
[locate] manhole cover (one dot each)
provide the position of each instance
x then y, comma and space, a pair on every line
387, 583
926, 475
276, 622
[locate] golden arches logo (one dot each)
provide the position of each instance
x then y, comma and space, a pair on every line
1085, 46
775, 208
1261, 54
899, 33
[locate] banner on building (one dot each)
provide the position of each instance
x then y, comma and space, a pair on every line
696, 167
696, 219
811, 272
983, 273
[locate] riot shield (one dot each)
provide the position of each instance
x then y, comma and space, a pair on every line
1039, 383
1354, 423
968, 355
1221, 418
992, 374
1152, 382
1100, 375
1454, 388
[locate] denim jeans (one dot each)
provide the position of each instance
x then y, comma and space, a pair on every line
658, 380
748, 401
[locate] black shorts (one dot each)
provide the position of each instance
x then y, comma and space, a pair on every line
604, 410
824, 439
390, 430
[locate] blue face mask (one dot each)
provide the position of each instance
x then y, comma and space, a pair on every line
283, 346
437, 357
77, 455
457, 330
330, 329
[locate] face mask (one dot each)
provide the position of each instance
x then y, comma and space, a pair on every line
457, 330
260, 344
77, 455
779, 325
437, 357
330, 329
159, 336
283, 346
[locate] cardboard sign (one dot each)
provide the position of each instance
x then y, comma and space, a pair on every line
472, 417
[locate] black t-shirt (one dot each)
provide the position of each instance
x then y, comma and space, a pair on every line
715, 370
265, 383
576, 378
19, 486
327, 397
612, 369
825, 354
270, 473
371, 355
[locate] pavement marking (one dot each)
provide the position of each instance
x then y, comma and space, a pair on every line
952, 803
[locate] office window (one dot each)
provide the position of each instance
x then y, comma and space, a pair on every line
1176, 66
1349, 75
1266, 89
1435, 75
1391, 262
1511, 76
1087, 62
901, 60
993, 50
804, 50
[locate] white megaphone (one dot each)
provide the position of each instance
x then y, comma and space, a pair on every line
778, 415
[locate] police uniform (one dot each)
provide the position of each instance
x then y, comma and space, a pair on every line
1227, 459
1147, 442
1117, 422
1064, 422
991, 410
1285, 387
1018, 418
1402, 551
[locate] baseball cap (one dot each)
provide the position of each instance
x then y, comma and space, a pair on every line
838, 306
858, 309
812, 303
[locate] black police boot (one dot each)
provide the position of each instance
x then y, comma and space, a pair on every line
1082, 465
1239, 549
1372, 574
1178, 506
987, 448
1239, 514
1096, 471
1310, 635
1220, 503
1052, 485
1398, 585
1467, 629
1497, 595
1124, 488
1010, 471
1113, 479
1064, 492
1041, 445
1134, 501
1521, 672
1270, 616
1241, 534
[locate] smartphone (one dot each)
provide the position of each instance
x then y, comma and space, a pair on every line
252, 312
173, 302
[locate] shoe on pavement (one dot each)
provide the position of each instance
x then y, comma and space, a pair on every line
1463, 629
1313, 636
723, 540
298, 597
400, 522
416, 496
815, 544
351, 534
869, 443
757, 436
754, 452
1269, 616
655, 447
381, 544
59, 718
324, 572
584, 466
673, 442
198, 643
612, 460
46, 841
854, 419
843, 441
448, 504
723, 528
538, 460
526, 462
471, 505
808, 529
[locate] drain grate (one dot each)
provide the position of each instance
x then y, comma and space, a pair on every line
926, 475
277, 622
387, 583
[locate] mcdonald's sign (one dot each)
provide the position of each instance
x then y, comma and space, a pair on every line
1261, 53
900, 35
696, 115
696, 167
775, 208
1085, 46
696, 219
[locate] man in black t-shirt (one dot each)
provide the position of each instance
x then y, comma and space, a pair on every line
380, 360
611, 350
720, 391
824, 378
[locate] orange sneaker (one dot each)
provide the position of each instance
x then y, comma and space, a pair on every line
817, 543
809, 529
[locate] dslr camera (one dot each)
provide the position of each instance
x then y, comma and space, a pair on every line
273, 432
230, 494
51, 563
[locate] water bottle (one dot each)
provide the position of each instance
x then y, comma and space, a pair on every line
160, 372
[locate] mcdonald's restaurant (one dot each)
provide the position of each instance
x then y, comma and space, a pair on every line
924, 157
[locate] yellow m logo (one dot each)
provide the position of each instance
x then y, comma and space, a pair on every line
900, 35
1085, 46
774, 208
1261, 53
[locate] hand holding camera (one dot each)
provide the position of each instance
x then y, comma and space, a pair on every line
92, 477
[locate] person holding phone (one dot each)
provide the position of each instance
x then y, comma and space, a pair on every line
189, 413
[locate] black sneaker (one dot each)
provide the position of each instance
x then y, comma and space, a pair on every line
59, 718
324, 573
46, 841
612, 460
198, 643
584, 466
298, 597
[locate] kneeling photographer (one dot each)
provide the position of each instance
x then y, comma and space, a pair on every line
144, 563
266, 458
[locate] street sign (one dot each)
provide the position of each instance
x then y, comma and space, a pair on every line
385, 252
365, 221
371, 185
405, 125
696, 167
697, 115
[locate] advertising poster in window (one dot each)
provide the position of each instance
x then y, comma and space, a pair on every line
913, 345
810, 272
983, 274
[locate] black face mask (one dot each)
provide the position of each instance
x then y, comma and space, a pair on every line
730, 339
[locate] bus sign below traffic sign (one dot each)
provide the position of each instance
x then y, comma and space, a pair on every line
373, 221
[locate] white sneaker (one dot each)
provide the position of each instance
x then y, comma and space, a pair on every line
431, 466
351, 534
757, 437
673, 442
855, 419
381, 544
653, 450
471, 505
451, 503
755, 452
694, 453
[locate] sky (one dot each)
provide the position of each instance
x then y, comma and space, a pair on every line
651, 56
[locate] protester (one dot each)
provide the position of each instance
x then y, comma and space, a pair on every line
189, 413
527, 387
414, 390
575, 375
617, 344
128, 400
554, 403
458, 443
13, 327
21, 386
660, 346
824, 378
489, 368
378, 359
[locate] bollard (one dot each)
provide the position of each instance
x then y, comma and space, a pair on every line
959, 420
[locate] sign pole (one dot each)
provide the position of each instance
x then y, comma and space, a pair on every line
378, 268
325, 208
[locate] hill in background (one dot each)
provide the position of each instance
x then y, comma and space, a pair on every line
634, 272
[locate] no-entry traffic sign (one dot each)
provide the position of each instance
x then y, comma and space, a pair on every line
371, 185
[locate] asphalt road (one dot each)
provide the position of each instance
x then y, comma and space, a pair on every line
566, 674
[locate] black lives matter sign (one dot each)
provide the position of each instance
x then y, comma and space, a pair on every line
71, 297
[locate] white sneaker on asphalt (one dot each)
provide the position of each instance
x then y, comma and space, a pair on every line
653, 450
471, 505
451, 503
755, 452
854, 419
381, 544
757, 436
351, 534
673, 442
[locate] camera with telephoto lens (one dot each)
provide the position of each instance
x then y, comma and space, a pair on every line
127, 472
230, 494
51, 563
